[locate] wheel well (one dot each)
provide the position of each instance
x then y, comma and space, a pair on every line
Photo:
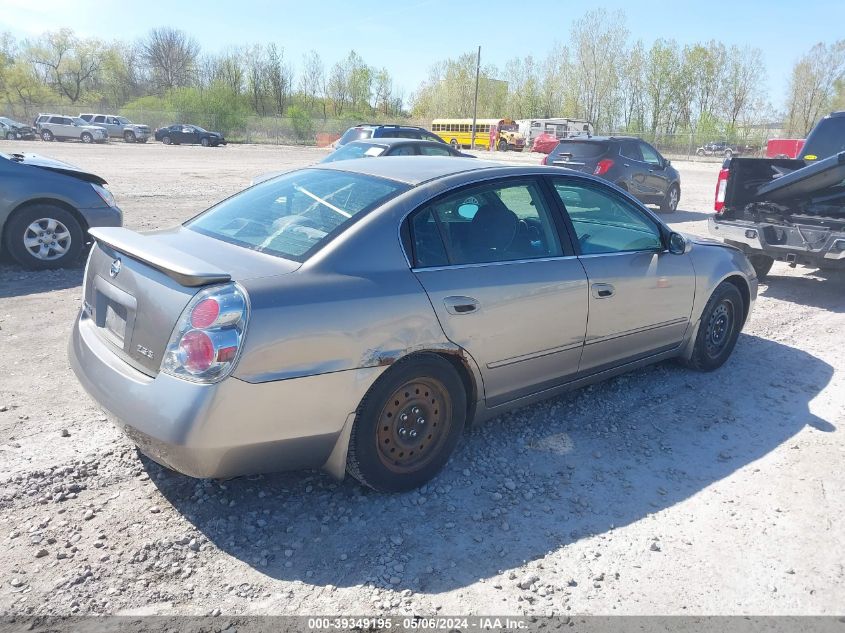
57, 203
742, 286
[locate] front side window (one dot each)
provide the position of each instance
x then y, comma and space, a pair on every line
295, 214
435, 150
404, 150
605, 223
650, 154
497, 222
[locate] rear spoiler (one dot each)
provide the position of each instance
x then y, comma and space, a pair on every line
182, 267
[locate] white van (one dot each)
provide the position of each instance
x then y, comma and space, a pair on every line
559, 128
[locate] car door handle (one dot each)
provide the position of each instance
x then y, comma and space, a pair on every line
460, 305
603, 291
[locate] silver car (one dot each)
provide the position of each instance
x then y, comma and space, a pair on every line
356, 316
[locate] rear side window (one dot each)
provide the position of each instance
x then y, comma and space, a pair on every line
394, 133
435, 150
355, 134
294, 215
581, 149
826, 139
354, 150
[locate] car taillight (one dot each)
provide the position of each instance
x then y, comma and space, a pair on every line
603, 167
721, 190
209, 335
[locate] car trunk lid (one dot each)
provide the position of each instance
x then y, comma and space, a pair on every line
138, 285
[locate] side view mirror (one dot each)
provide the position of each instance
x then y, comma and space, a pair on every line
677, 244
667, 163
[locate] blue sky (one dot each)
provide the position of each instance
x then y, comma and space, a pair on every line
407, 37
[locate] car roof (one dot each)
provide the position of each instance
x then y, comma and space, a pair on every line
392, 125
585, 139
393, 140
411, 170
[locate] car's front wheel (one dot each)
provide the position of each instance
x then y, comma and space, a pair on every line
86, 138
44, 236
503, 146
47, 135
128, 137
408, 424
205, 142
10, 136
721, 322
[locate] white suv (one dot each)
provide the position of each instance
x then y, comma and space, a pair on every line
59, 127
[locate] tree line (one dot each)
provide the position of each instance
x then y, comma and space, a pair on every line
598, 74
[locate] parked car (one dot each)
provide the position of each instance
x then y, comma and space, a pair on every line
57, 127
14, 131
47, 207
629, 163
179, 134
119, 127
723, 148
356, 315
784, 147
365, 131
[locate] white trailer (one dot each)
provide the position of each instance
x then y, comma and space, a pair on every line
558, 127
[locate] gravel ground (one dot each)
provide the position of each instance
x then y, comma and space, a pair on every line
664, 491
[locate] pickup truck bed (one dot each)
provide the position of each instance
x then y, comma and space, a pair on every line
783, 209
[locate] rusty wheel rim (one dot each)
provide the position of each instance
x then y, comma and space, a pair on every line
413, 424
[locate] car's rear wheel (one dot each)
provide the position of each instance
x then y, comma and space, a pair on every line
670, 201
128, 137
205, 142
762, 265
166, 140
721, 322
47, 135
44, 236
86, 138
407, 425
10, 136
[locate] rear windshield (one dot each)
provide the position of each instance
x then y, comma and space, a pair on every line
581, 149
355, 150
354, 134
292, 216
826, 139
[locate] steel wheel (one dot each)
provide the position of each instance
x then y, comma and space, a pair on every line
413, 424
719, 328
47, 239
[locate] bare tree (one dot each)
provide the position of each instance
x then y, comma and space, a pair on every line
171, 55
744, 77
70, 63
311, 79
813, 85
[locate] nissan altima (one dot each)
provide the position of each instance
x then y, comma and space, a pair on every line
355, 316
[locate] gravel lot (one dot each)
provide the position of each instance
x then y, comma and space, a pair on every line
665, 491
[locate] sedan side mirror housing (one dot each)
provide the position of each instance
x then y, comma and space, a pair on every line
677, 244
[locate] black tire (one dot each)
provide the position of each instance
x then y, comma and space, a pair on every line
166, 140
47, 135
762, 265
129, 137
414, 396
721, 322
10, 136
728, 154
18, 228
671, 200
454, 143
85, 137
503, 146
205, 142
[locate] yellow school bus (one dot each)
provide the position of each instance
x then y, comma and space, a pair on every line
458, 133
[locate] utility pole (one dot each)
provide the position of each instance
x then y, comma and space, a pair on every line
475, 102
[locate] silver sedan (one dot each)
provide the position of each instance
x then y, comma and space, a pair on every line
357, 316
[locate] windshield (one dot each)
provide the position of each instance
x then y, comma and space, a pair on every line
295, 214
355, 150
198, 128
354, 134
580, 149
8, 122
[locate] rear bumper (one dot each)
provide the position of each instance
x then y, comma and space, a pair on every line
227, 429
785, 243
